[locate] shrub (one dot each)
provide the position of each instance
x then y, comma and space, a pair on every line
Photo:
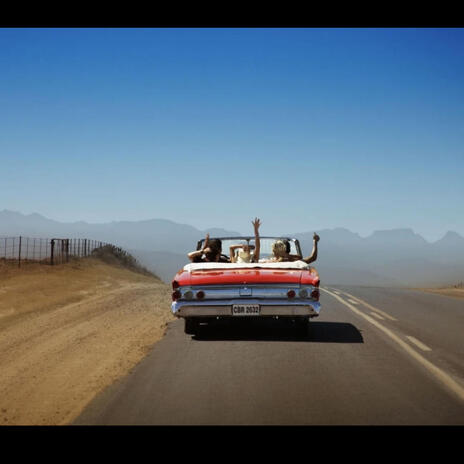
113, 255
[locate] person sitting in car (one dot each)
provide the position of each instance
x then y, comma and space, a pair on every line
211, 252
309, 259
244, 254
281, 252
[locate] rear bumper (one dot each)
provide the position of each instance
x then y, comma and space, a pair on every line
223, 308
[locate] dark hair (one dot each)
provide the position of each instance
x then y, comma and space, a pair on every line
287, 246
215, 244
216, 247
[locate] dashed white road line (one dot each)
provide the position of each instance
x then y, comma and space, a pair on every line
372, 308
418, 343
445, 379
352, 301
378, 316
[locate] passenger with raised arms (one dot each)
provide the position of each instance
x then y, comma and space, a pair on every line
244, 254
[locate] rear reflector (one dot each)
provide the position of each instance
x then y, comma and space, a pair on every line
303, 293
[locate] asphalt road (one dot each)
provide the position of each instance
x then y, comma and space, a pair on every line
374, 356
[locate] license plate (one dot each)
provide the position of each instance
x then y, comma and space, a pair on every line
245, 310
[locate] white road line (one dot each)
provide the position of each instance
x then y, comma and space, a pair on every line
418, 343
352, 301
446, 380
378, 316
373, 308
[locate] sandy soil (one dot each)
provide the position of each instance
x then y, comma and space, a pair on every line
456, 291
69, 331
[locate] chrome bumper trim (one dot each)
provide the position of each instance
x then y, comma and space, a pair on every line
230, 292
224, 307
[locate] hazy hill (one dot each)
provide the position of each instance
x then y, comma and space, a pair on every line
386, 257
449, 249
163, 263
153, 234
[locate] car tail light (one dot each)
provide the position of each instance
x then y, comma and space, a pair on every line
291, 293
200, 294
176, 295
317, 283
175, 284
315, 295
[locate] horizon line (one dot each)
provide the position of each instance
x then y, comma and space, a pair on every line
215, 227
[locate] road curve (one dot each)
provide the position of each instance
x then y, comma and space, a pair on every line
374, 356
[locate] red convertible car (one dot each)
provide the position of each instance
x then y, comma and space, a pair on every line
206, 291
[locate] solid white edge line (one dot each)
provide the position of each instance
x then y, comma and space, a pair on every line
418, 343
440, 375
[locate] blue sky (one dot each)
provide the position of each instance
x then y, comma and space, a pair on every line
305, 128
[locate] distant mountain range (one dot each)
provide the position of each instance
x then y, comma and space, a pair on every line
153, 234
386, 257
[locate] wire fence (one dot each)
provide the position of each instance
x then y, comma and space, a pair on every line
46, 250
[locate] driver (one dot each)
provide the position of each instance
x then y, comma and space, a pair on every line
211, 252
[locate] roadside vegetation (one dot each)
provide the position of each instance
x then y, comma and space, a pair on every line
115, 256
456, 290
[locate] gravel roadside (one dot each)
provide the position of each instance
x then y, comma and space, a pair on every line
67, 333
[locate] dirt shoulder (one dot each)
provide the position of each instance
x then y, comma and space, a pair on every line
456, 291
69, 331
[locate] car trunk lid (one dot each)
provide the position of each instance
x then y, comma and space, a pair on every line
246, 276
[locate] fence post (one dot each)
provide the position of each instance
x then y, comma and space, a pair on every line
19, 255
52, 244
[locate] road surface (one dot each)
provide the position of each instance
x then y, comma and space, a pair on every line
374, 356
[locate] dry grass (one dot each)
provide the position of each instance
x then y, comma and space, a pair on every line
456, 291
115, 256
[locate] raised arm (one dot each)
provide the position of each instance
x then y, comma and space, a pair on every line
232, 248
198, 253
313, 256
256, 223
